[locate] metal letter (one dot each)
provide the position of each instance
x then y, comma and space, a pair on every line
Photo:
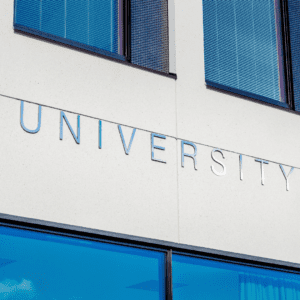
100, 134
286, 177
183, 154
39, 119
153, 135
127, 150
262, 162
241, 167
76, 138
212, 167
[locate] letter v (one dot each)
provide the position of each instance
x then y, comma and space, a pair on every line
126, 149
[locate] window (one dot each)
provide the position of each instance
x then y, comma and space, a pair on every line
129, 30
38, 261
35, 265
243, 48
195, 278
294, 33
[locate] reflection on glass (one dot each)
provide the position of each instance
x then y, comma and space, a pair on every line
44, 266
195, 278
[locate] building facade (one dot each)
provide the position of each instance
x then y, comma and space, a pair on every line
185, 183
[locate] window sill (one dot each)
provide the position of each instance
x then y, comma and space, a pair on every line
83, 48
284, 107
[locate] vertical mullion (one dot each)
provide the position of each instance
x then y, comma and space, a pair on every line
287, 54
127, 30
169, 287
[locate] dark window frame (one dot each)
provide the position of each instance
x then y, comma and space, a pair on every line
149, 244
285, 31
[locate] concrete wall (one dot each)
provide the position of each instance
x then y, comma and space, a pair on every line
46, 178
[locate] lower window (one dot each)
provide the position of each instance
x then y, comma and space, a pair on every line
195, 278
39, 265
35, 265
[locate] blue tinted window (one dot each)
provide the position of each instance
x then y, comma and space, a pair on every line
98, 25
195, 278
242, 47
44, 266
90, 24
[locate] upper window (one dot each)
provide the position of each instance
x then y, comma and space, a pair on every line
127, 30
243, 48
293, 12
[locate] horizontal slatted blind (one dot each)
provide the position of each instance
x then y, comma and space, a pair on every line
240, 47
91, 24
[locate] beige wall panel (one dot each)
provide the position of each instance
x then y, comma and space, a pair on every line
223, 212
46, 178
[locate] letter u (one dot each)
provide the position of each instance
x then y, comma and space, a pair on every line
39, 119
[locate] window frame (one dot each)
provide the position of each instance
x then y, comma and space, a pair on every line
148, 244
287, 68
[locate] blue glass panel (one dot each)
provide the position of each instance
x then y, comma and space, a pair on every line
195, 278
77, 20
53, 17
44, 266
240, 46
103, 18
27, 13
91, 24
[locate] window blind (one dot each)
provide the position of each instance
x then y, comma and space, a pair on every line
242, 48
91, 24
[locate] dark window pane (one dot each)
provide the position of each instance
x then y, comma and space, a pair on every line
149, 34
195, 278
44, 266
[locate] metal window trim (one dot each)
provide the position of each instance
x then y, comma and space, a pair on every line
246, 94
73, 47
287, 56
168, 279
127, 30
